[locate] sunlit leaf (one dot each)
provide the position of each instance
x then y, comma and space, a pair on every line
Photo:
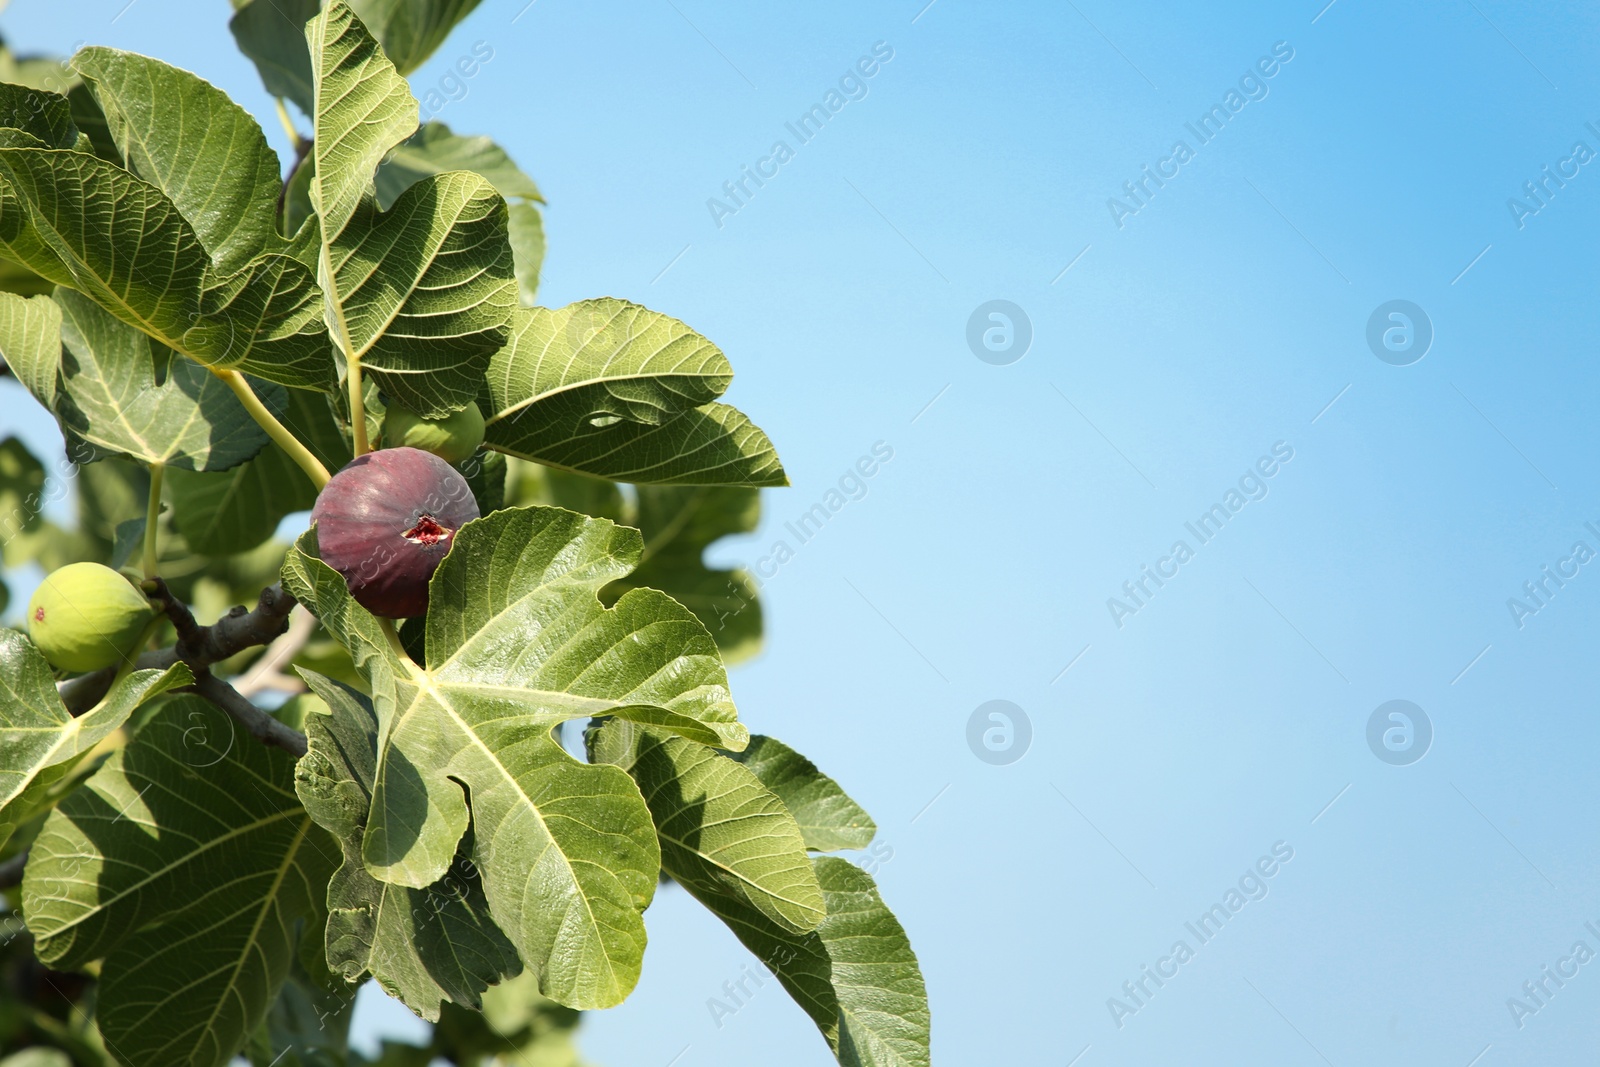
362, 108
721, 830
610, 388
424, 946
828, 818
420, 294
110, 399
435, 150
517, 642
184, 136
426, 289
30, 343
42, 742
855, 975
87, 224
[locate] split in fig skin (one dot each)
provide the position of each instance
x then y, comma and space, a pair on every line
386, 520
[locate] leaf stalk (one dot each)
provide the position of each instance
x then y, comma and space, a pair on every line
152, 514
276, 430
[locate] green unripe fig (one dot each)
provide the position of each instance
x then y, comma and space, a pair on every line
86, 616
452, 438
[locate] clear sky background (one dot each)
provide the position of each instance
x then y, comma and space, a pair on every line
1225, 316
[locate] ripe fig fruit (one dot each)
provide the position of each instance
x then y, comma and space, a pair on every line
452, 438
86, 616
386, 520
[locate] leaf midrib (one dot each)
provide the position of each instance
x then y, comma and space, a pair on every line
567, 387
187, 857
46, 227
424, 682
269, 901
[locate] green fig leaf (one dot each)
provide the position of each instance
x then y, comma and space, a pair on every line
517, 642
679, 523
185, 137
420, 294
109, 397
828, 818
186, 863
435, 150
425, 946
273, 34
721, 830
609, 388
42, 741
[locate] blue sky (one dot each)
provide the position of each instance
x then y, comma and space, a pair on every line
1226, 317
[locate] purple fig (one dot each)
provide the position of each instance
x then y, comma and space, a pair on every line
386, 520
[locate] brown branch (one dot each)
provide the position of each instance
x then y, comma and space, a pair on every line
261, 726
198, 646
267, 671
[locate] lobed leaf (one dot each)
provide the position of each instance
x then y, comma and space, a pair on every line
731, 842
855, 975
828, 818
184, 136
109, 397
42, 741
610, 388
186, 863
426, 289
419, 294
517, 642
266, 320
361, 109
435, 150
87, 224
424, 946
721, 830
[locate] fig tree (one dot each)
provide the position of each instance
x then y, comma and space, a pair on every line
86, 616
452, 438
386, 520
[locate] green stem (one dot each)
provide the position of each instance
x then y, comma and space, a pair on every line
152, 516
391, 635
340, 326
358, 413
288, 124
275, 429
